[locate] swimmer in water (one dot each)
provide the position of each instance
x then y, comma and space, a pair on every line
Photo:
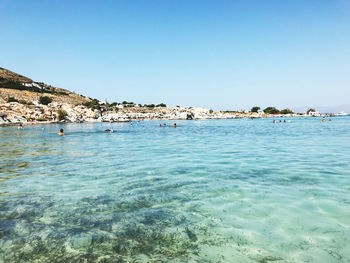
164, 124
160, 125
174, 125
109, 130
20, 126
61, 132
274, 121
323, 119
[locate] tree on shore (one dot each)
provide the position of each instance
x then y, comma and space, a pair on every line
128, 102
255, 109
286, 111
271, 110
93, 104
161, 105
310, 110
113, 104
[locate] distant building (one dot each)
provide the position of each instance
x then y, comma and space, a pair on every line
32, 85
129, 105
315, 114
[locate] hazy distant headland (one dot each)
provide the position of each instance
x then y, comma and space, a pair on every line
23, 100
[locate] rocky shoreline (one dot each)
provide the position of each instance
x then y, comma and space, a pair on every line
15, 113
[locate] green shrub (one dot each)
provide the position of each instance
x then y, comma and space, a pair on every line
45, 100
286, 111
255, 109
113, 104
61, 114
161, 105
11, 99
22, 102
271, 110
93, 104
229, 111
127, 102
211, 111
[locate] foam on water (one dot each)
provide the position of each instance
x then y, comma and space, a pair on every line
206, 191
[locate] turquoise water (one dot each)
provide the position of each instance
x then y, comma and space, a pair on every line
206, 191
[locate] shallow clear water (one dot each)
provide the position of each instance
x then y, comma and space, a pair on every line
206, 191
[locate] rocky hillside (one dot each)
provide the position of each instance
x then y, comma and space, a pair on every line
25, 90
9, 75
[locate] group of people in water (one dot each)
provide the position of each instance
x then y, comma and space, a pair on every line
274, 121
323, 120
61, 131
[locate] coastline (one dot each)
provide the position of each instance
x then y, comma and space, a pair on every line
8, 124
14, 113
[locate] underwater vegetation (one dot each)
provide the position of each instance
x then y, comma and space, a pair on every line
94, 230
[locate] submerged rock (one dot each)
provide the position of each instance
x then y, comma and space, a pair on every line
81, 240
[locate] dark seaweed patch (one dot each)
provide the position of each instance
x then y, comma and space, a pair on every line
119, 229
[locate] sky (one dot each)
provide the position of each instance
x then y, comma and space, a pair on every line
219, 54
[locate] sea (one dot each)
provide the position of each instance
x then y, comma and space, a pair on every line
237, 190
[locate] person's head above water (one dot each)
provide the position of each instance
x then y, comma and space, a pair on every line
61, 132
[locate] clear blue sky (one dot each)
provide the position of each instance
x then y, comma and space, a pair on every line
220, 54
